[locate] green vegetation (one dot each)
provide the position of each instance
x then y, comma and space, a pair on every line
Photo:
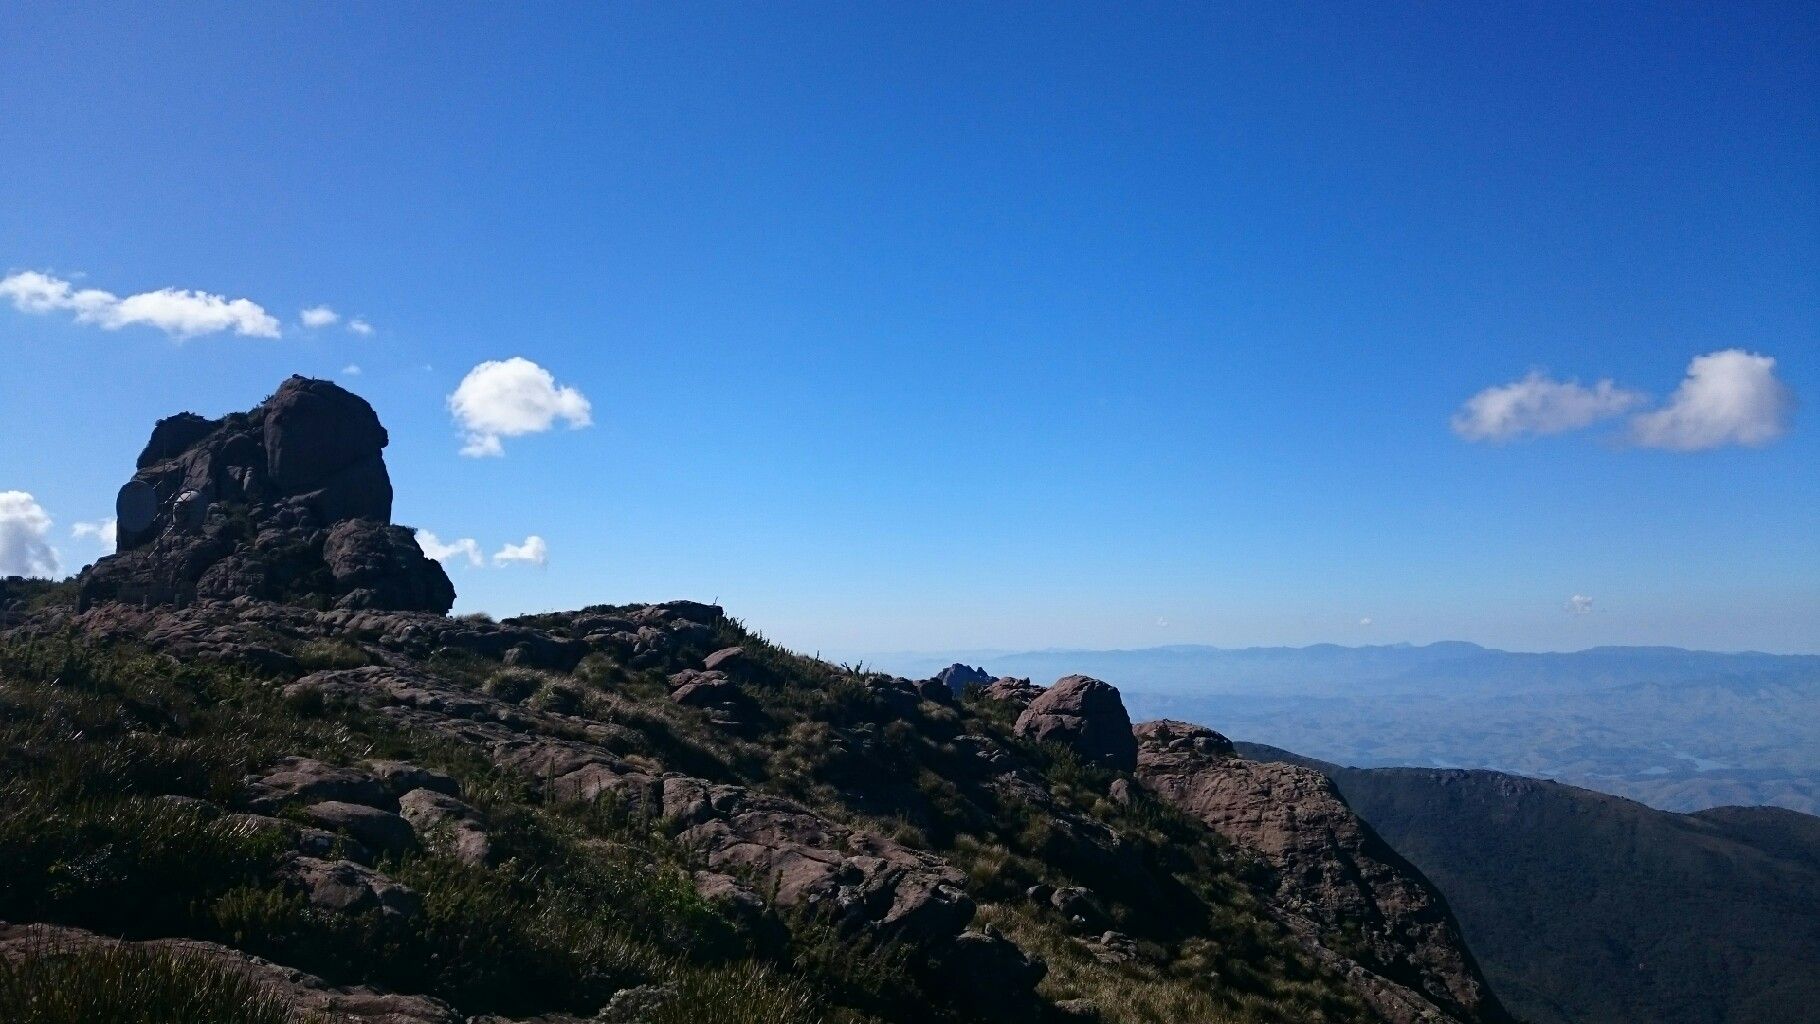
121, 985
98, 744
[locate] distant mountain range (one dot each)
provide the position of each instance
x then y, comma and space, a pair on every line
1585, 907
1677, 729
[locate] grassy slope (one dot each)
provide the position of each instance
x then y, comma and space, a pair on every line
588, 901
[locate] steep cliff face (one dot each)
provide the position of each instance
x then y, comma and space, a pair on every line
1357, 897
289, 500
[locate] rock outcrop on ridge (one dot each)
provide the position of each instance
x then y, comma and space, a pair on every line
287, 501
1364, 902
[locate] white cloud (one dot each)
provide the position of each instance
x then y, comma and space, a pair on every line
510, 398
360, 327
105, 533
25, 532
1729, 397
1579, 604
1366, 621
533, 551
318, 316
177, 312
1539, 405
466, 547
351, 370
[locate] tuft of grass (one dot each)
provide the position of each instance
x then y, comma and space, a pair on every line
116, 984
738, 993
315, 655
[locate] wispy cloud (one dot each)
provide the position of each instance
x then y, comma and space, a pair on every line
318, 316
1579, 604
511, 398
351, 370
466, 548
360, 327
1539, 405
532, 552
179, 313
25, 537
1729, 397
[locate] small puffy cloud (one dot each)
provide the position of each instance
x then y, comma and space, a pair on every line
433, 547
1538, 405
1366, 621
1579, 604
25, 537
532, 552
360, 327
318, 316
180, 313
105, 533
511, 398
351, 370
1729, 397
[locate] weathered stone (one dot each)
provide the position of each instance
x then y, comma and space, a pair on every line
345, 886
376, 565
307, 779
399, 778
728, 659
1085, 715
958, 677
1016, 692
442, 821
256, 504
380, 830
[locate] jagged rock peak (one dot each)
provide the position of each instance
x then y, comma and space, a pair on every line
289, 500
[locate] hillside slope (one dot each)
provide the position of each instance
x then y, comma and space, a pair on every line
1585, 908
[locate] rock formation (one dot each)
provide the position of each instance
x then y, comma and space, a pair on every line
289, 500
1361, 900
1085, 715
958, 677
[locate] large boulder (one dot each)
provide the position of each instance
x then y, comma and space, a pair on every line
1086, 716
289, 501
377, 565
315, 432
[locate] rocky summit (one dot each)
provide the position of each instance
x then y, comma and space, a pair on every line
287, 501
250, 761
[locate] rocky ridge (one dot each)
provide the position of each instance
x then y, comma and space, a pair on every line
993, 830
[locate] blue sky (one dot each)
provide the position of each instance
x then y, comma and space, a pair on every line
974, 325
